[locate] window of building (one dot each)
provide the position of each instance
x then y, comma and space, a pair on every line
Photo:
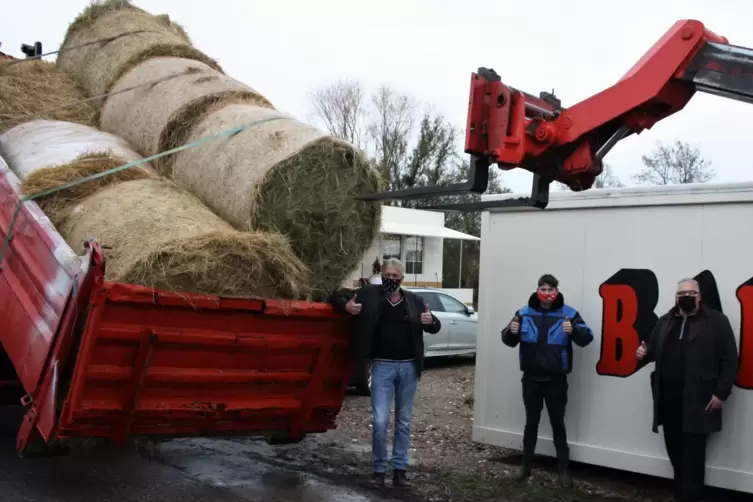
391, 247
414, 255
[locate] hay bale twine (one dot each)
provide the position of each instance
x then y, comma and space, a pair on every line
157, 118
99, 66
47, 154
35, 89
285, 176
158, 235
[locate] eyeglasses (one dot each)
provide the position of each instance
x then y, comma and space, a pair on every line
687, 293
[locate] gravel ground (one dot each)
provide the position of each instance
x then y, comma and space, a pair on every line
450, 467
446, 465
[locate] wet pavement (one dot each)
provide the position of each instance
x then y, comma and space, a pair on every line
100, 476
264, 473
93, 475
195, 470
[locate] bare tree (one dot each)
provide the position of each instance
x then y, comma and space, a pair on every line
432, 159
343, 109
469, 223
677, 164
412, 146
391, 122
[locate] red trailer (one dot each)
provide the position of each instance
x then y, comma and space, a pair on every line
92, 358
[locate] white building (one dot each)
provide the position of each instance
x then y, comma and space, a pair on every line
416, 238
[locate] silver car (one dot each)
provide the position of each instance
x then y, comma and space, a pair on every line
459, 321
457, 336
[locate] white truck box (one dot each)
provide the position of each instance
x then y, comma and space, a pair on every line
642, 241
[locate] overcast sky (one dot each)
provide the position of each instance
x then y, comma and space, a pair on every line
284, 48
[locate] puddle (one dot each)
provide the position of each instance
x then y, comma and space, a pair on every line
240, 467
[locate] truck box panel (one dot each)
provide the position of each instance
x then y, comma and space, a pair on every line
116, 360
36, 278
172, 367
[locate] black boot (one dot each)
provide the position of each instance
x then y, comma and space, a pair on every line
524, 472
563, 467
399, 479
377, 479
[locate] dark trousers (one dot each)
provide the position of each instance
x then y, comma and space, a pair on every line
554, 394
686, 451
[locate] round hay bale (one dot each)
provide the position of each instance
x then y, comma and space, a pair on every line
47, 154
159, 117
158, 235
31, 90
285, 176
99, 66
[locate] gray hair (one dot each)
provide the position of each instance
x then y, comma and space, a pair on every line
689, 280
395, 263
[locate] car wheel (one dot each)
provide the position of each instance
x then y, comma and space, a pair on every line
363, 382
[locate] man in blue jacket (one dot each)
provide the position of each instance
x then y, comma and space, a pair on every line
546, 329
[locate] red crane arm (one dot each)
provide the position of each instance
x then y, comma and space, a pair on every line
514, 129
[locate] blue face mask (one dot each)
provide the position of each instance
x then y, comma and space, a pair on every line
390, 285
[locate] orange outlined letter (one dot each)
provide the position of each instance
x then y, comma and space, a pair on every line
745, 371
628, 301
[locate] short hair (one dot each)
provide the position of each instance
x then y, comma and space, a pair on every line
549, 280
395, 263
690, 280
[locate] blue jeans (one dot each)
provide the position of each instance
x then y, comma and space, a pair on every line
386, 377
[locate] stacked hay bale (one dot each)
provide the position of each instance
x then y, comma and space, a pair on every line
282, 175
47, 154
131, 35
160, 117
277, 174
154, 233
37, 89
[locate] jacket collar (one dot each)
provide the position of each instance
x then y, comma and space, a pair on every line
701, 312
535, 303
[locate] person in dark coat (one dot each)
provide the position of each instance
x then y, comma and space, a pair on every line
695, 355
389, 330
546, 329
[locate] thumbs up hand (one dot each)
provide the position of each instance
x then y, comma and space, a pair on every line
426, 317
352, 307
567, 326
515, 325
641, 352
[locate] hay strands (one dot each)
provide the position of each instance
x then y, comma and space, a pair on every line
30, 197
78, 102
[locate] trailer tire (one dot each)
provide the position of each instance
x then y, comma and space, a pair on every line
363, 380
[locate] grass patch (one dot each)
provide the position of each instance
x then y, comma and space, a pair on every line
479, 488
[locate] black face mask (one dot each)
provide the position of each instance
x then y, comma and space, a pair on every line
687, 303
390, 285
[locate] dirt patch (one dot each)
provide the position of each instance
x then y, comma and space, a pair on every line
446, 465
449, 466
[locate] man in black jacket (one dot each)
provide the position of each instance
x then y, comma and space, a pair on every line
546, 329
389, 330
695, 353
